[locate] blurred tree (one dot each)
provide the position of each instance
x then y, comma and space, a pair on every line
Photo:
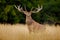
49, 13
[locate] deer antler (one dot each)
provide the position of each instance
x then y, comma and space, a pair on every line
19, 8
37, 9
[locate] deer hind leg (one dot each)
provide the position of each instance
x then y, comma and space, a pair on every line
39, 28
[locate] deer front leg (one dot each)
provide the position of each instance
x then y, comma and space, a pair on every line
30, 28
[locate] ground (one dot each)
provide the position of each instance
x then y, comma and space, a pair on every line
20, 32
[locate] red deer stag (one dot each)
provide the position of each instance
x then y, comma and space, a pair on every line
32, 25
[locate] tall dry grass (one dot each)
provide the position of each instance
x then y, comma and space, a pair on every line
20, 32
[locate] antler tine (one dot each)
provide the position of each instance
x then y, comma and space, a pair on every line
31, 8
37, 9
15, 6
25, 7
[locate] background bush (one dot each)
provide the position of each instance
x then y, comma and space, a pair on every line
49, 14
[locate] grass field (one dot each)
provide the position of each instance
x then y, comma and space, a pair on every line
20, 32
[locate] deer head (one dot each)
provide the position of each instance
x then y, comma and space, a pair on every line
30, 12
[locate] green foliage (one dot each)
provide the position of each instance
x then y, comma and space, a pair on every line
49, 13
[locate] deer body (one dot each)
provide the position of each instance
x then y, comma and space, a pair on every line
32, 25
